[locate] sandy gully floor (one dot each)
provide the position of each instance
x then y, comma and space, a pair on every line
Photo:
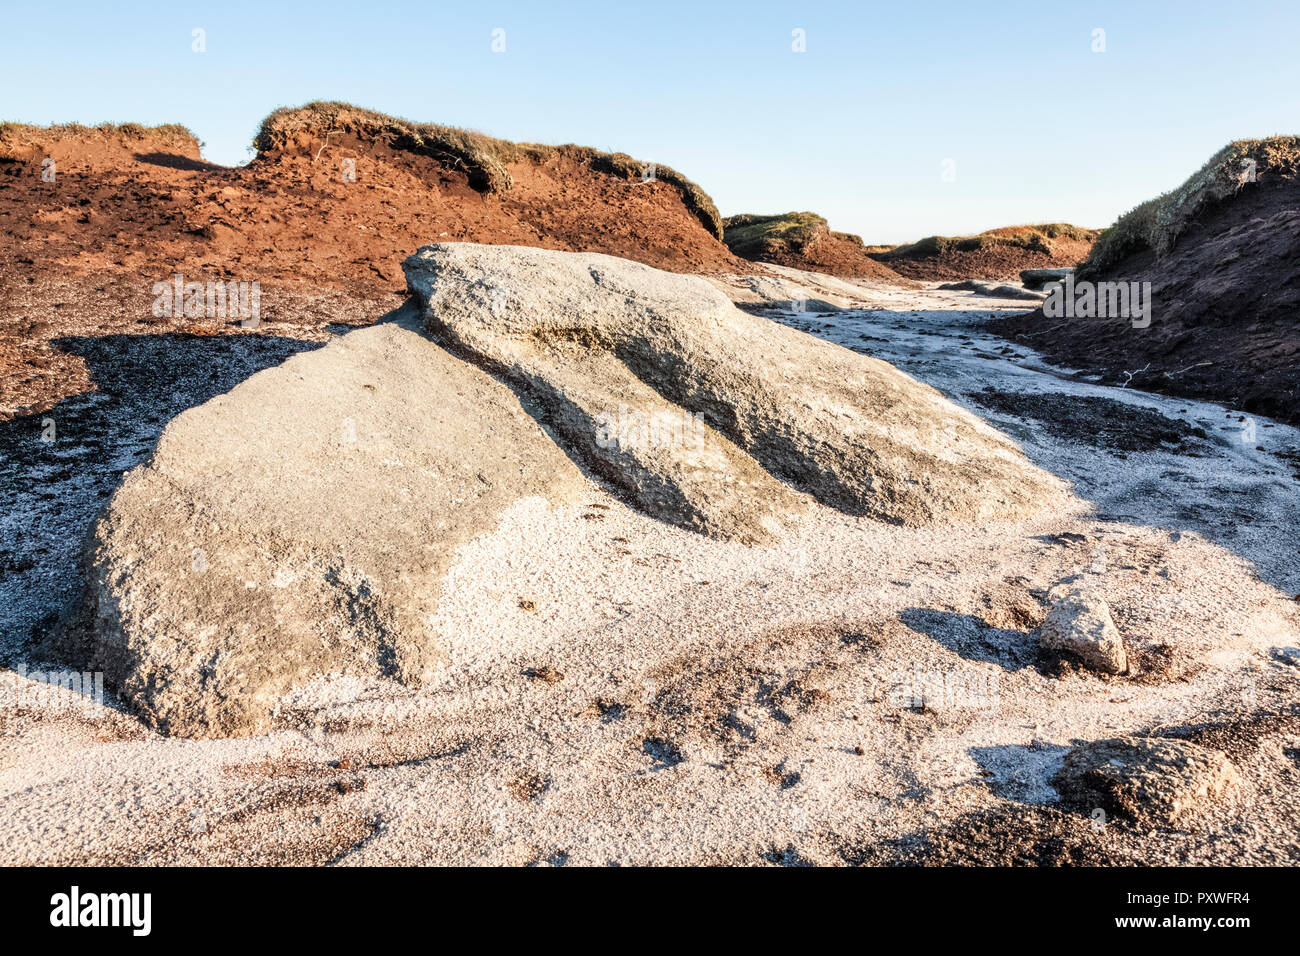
620, 691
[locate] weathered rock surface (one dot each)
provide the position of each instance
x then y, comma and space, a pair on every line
1079, 623
991, 289
777, 291
592, 338
302, 523
1150, 781
1037, 278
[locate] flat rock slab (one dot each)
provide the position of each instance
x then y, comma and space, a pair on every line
1149, 781
992, 290
301, 524
783, 415
1037, 278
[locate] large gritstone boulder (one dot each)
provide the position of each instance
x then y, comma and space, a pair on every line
597, 341
301, 524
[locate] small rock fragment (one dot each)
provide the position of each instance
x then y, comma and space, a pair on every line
545, 673
1079, 623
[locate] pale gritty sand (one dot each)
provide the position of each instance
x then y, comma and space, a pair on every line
622, 691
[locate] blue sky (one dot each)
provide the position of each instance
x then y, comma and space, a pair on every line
1037, 126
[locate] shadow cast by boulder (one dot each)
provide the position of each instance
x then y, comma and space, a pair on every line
59, 467
973, 639
1022, 774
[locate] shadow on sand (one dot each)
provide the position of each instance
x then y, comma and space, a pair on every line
59, 467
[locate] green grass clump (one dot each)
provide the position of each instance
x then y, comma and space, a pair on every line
1035, 238
753, 236
1157, 223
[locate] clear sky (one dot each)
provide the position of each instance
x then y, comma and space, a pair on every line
858, 127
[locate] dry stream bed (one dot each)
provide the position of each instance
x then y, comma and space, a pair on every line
621, 690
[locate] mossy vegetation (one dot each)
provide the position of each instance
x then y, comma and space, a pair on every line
1157, 223
1035, 238
754, 236
484, 159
